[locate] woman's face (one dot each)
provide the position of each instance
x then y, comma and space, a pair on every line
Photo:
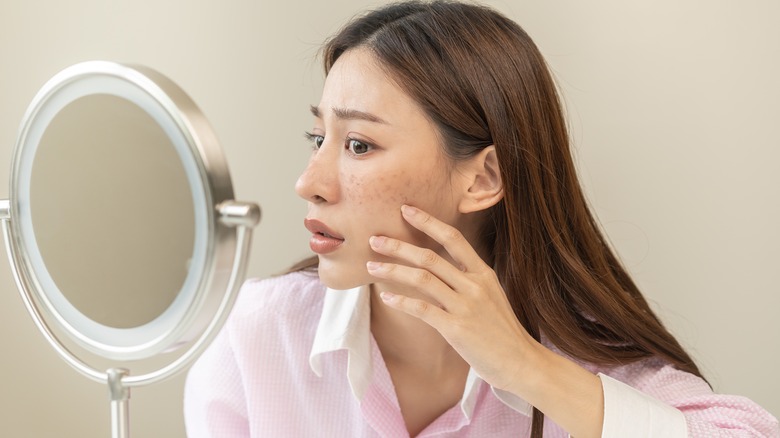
375, 150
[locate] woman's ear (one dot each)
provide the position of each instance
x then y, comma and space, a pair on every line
484, 185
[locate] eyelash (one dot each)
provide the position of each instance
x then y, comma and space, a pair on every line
349, 143
312, 138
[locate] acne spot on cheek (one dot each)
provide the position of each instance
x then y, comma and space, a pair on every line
362, 190
395, 194
385, 192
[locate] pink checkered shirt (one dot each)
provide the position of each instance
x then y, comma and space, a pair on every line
298, 360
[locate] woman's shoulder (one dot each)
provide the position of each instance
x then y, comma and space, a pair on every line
287, 285
285, 295
656, 376
652, 375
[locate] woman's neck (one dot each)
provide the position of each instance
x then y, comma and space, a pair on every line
404, 339
428, 375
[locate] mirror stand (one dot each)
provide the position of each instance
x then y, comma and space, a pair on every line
242, 216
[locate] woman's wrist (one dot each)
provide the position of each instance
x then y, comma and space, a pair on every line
563, 390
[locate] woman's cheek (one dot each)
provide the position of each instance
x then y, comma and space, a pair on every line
377, 196
378, 191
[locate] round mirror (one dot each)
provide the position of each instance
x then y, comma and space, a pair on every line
122, 229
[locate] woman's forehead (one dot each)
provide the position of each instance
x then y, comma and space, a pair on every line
357, 83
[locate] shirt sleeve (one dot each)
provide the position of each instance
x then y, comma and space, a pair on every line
214, 402
652, 399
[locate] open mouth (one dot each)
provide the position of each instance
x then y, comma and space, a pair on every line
319, 228
323, 239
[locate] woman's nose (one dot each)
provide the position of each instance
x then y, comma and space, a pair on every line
319, 181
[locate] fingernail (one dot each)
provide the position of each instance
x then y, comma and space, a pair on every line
376, 241
408, 210
373, 266
386, 296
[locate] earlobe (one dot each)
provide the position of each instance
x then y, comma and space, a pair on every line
485, 186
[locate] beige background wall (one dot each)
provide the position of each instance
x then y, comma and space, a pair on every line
674, 107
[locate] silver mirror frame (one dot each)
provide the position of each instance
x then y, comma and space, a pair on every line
226, 227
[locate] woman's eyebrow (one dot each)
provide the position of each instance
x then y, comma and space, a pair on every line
349, 114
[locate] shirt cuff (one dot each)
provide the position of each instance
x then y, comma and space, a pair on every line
631, 413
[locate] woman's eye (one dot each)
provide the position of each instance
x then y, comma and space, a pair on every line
357, 147
316, 140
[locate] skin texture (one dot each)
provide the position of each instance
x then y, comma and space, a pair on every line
410, 218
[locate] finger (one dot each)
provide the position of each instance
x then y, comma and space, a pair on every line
424, 258
447, 236
417, 279
425, 311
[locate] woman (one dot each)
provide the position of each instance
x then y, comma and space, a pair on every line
462, 287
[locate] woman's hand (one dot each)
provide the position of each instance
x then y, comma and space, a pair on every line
473, 314
471, 310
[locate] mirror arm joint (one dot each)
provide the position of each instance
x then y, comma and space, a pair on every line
236, 213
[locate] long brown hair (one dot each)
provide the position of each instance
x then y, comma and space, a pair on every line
480, 78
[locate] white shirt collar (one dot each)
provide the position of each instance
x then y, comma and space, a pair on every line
345, 324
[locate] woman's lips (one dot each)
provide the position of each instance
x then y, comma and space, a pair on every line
323, 239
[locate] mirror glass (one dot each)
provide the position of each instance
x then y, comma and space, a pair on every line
116, 232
